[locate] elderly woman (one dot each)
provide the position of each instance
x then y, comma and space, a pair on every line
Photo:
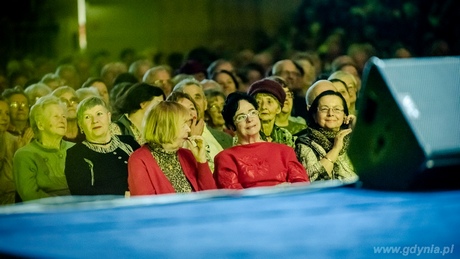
69, 97
133, 105
197, 125
213, 114
99, 164
253, 162
270, 97
322, 148
162, 166
39, 165
8, 146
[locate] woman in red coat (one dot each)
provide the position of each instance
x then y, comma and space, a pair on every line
162, 166
253, 162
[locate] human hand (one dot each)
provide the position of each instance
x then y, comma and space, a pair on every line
197, 127
350, 120
26, 137
338, 141
197, 145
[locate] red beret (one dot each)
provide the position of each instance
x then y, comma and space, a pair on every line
268, 86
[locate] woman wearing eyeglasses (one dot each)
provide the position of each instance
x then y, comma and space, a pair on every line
19, 115
253, 162
322, 148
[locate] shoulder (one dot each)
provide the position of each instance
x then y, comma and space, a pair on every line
142, 151
248, 148
29, 147
130, 140
11, 141
67, 144
77, 150
297, 120
276, 146
284, 131
295, 127
218, 133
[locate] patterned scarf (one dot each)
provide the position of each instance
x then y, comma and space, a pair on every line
324, 138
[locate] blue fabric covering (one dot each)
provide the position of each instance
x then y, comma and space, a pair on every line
282, 222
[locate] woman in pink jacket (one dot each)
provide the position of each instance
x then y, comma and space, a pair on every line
162, 166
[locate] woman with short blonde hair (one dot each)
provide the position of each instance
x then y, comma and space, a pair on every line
162, 165
98, 165
165, 129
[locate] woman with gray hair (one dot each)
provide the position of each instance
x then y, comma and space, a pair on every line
39, 166
99, 164
35, 91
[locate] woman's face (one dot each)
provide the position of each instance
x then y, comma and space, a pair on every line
184, 130
102, 89
189, 105
330, 114
19, 107
215, 106
268, 107
226, 82
96, 123
343, 90
4, 116
287, 107
163, 80
53, 122
246, 120
351, 88
71, 101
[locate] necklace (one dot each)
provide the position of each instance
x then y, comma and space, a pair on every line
102, 144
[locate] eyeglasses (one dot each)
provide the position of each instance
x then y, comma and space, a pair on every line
70, 102
243, 117
16, 105
325, 109
215, 108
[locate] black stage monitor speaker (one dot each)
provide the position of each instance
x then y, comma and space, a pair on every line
407, 133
